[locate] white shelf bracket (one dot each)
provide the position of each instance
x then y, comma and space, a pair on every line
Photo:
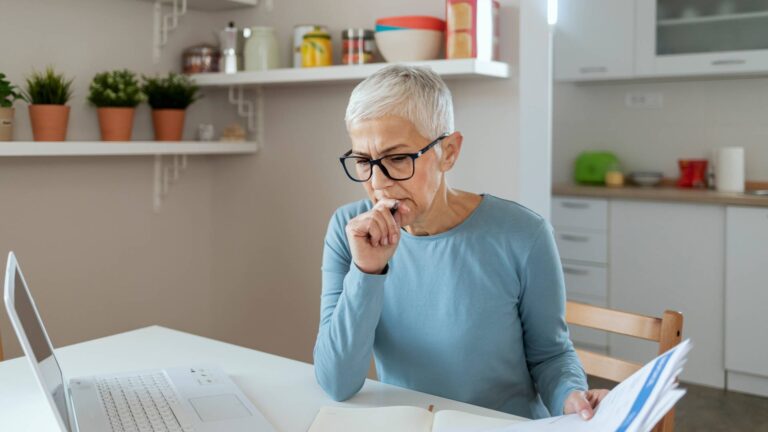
165, 177
253, 111
165, 23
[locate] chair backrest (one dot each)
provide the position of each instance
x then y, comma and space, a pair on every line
667, 331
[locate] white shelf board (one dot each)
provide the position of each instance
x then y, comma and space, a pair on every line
123, 148
461, 68
711, 19
215, 5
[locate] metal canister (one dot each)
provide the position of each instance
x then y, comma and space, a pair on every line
200, 58
298, 38
316, 49
356, 46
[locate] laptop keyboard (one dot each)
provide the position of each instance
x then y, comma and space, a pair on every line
142, 403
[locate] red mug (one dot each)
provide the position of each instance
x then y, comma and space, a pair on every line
693, 173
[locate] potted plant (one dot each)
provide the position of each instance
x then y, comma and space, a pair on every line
115, 95
8, 95
47, 93
169, 98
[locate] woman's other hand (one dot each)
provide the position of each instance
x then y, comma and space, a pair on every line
584, 403
374, 235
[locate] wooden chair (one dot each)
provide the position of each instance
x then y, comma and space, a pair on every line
667, 331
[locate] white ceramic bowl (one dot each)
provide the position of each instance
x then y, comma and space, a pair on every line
409, 44
646, 178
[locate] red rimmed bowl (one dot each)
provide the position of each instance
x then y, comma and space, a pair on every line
411, 22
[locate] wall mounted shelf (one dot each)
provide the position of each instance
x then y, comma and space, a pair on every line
164, 174
449, 69
122, 148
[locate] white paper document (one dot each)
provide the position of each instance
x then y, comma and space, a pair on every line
635, 405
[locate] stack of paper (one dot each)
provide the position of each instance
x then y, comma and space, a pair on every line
635, 405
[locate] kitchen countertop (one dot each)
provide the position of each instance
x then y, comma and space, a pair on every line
660, 193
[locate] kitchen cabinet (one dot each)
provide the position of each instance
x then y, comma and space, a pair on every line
670, 256
624, 39
746, 297
676, 37
594, 40
581, 227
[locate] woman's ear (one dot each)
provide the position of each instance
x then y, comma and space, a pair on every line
451, 148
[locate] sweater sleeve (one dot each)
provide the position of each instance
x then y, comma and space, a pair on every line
552, 361
350, 307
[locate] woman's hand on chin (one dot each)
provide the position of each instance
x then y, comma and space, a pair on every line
374, 235
584, 403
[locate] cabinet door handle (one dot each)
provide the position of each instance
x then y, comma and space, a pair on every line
575, 238
575, 271
726, 62
574, 205
593, 69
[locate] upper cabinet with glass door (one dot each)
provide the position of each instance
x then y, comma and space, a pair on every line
701, 37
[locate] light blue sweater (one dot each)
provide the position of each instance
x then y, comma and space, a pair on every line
474, 314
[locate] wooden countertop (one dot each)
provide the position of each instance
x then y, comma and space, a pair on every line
660, 193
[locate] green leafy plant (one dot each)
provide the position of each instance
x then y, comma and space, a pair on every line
118, 88
48, 88
171, 92
8, 92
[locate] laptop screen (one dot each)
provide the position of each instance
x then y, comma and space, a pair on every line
41, 349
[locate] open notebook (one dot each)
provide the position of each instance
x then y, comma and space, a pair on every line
401, 419
635, 405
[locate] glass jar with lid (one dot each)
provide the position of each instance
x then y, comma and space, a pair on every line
357, 46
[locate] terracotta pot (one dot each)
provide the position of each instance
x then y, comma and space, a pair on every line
6, 124
49, 122
169, 124
115, 123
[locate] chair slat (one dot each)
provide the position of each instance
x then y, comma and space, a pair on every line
606, 367
638, 326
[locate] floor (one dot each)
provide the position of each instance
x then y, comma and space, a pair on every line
709, 409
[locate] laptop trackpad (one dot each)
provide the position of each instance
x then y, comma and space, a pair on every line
219, 407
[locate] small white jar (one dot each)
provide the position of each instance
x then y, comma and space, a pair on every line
261, 51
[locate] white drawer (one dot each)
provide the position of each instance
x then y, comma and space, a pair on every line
582, 246
587, 338
581, 213
584, 280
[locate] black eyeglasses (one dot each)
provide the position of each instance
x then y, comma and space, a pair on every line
398, 167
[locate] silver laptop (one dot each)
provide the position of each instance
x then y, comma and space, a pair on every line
196, 398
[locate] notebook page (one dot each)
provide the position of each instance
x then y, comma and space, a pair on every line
457, 421
385, 419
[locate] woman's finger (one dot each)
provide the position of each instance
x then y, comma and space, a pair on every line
381, 223
375, 232
385, 215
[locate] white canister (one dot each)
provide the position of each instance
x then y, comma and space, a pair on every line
261, 52
729, 169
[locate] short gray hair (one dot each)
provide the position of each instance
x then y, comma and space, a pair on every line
416, 94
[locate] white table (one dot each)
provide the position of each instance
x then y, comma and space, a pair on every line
284, 390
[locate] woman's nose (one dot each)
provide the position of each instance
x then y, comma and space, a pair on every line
379, 180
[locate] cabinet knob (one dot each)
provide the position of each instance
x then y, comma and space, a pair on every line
575, 271
725, 62
575, 238
574, 205
593, 69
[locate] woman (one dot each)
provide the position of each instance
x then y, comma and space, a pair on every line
456, 294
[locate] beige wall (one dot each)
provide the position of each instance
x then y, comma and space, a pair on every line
271, 212
697, 117
98, 259
235, 251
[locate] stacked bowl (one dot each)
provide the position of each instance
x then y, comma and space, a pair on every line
409, 38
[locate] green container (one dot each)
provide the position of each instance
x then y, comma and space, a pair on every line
591, 166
